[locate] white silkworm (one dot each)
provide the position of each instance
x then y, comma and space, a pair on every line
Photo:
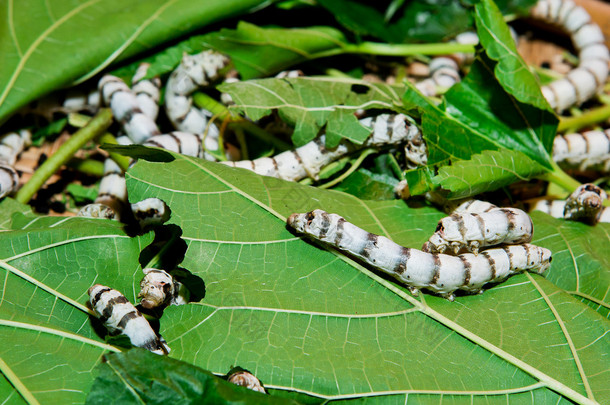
589, 76
585, 204
308, 160
11, 145
444, 73
585, 151
150, 212
119, 316
193, 72
185, 143
246, 379
440, 273
468, 231
146, 91
126, 109
159, 289
97, 210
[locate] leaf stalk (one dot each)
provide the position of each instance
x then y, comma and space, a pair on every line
588, 119
93, 129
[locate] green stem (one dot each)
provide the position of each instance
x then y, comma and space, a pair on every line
561, 178
243, 145
377, 48
96, 127
202, 100
349, 171
590, 118
122, 161
87, 166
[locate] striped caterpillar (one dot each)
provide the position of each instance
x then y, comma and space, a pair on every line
585, 204
193, 72
11, 145
126, 109
308, 160
440, 273
119, 316
147, 213
471, 231
243, 378
159, 289
587, 150
589, 76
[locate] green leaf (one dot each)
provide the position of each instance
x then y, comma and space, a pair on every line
308, 319
367, 185
510, 70
258, 51
310, 103
489, 170
9, 209
255, 51
82, 195
580, 258
138, 376
47, 341
41, 52
362, 19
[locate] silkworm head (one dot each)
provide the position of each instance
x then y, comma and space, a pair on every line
297, 221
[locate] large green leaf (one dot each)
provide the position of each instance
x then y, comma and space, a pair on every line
311, 320
49, 44
139, 376
47, 341
309, 103
255, 51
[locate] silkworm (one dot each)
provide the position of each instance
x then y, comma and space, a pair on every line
308, 160
194, 71
159, 289
585, 204
444, 73
589, 76
119, 316
185, 143
440, 273
246, 379
126, 109
150, 212
585, 151
147, 91
469, 231
11, 145
97, 210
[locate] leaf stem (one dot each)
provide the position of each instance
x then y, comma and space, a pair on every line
96, 127
349, 171
377, 48
590, 118
121, 160
87, 166
16, 382
561, 178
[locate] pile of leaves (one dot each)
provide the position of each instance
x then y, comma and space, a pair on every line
312, 324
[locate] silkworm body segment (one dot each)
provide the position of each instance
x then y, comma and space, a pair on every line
439, 273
